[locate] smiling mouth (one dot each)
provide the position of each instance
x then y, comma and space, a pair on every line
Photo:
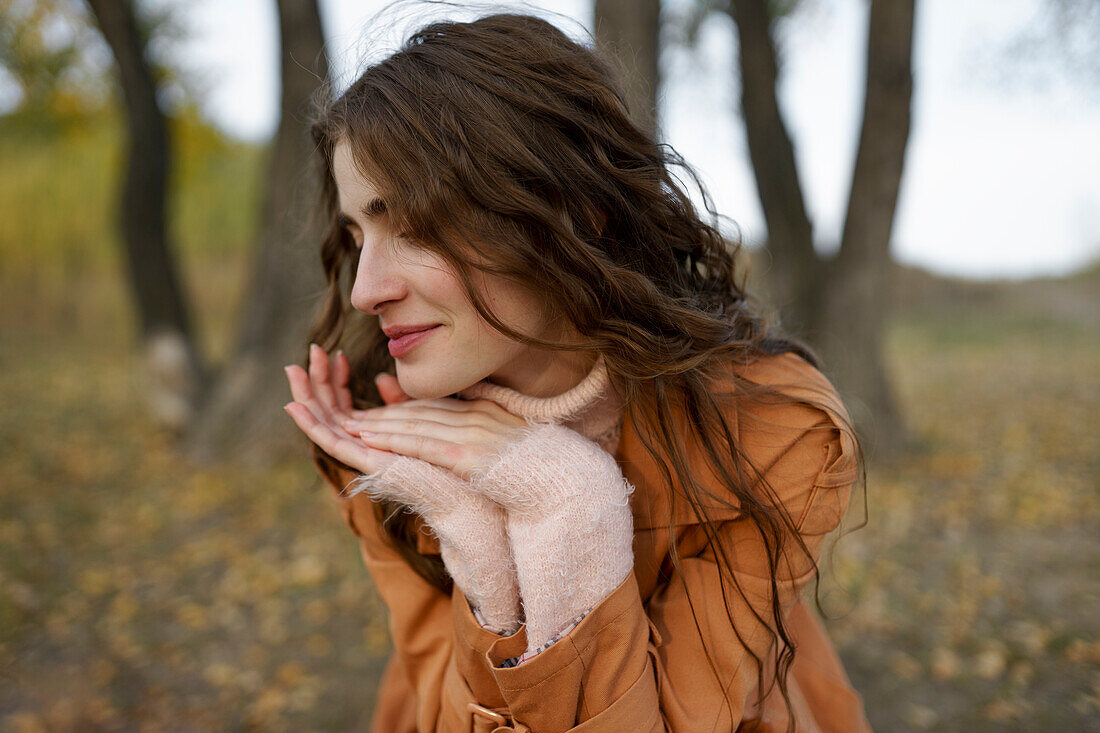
407, 342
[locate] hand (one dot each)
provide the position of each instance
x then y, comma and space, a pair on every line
569, 522
322, 402
470, 528
457, 435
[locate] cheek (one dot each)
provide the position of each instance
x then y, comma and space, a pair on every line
448, 289
512, 304
517, 308
433, 276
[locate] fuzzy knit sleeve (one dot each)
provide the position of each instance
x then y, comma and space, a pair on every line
437, 668
673, 660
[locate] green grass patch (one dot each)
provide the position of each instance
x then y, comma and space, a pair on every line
60, 195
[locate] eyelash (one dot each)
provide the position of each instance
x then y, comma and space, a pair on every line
404, 237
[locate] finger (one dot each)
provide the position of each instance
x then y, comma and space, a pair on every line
445, 403
344, 448
435, 450
464, 434
496, 411
413, 412
477, 412
320, 373
442, 403
390, 389
301, 389
341, 372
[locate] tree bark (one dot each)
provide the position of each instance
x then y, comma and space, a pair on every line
839, 305
859, 280
796, 281
242, 414
173, 367
630, 29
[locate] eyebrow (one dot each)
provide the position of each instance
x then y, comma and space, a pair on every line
373, 208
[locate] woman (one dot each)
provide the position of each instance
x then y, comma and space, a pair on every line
594, 490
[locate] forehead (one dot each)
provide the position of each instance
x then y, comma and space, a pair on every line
350, 182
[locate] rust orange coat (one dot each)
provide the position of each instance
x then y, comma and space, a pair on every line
639, 660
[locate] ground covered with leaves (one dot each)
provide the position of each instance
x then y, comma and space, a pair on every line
973, 590
138, 592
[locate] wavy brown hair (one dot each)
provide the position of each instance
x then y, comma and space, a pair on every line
504, 146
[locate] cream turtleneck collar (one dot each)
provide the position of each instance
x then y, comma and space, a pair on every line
591, 407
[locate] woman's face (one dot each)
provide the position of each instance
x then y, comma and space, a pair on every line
408, 286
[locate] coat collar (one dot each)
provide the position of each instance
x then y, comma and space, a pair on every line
656, 505
764, 429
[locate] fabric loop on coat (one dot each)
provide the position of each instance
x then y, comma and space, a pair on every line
488, 720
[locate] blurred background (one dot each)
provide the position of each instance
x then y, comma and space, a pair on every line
915, 185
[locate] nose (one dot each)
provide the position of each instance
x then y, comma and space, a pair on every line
378, 279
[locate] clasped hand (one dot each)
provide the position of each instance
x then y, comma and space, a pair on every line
534, 512
416, 453
456, 435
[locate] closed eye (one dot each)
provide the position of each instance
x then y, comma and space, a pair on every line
376, 207
370, 210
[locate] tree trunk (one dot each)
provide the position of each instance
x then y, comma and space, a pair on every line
242, 414
838, 305
630, 29
797, 281
173, 368
859, 282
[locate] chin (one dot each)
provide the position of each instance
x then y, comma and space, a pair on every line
431, 386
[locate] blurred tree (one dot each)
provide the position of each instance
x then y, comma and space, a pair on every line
241, 413
838, 304
57, 68
630, 29
1068, 30
170, 354
854, 316
43, 56
1058, 43
230, 411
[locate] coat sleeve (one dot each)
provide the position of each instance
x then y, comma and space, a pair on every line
673, 661
440, 652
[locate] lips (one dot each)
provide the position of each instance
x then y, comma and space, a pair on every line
404, 339
394, 332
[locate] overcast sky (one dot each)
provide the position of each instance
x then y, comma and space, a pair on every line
1001, 174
